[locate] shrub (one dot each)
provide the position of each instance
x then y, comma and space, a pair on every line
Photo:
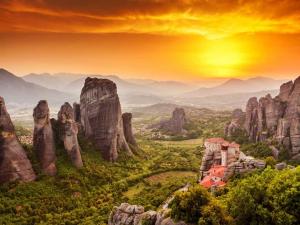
257, 150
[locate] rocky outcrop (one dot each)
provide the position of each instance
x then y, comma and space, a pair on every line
68, 131
236, 123
127, 214
14, 164
101, 117
251, 120
76, 108
127, 126
277, 118
43, 140
285, 90
243, 165
175, 125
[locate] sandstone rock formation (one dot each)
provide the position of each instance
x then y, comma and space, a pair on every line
175, 125
101, 117
127, 214
236, 123
277, 118
43, 140
14, 164
251, 121
76, 108
68, 131
127, 126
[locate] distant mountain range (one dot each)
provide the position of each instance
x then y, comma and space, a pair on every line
225, 101
232, 86
16, 90
60, 87
73, 83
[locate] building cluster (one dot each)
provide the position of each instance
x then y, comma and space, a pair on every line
223, 159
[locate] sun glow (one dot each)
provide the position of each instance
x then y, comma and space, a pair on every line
224, 58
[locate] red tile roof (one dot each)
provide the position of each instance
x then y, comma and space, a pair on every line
208, 182
214, 171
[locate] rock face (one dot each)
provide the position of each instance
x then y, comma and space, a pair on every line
127, 214
277, 117
14, 164
127, 126
101, 117
237, 122
76, 108
68, 131
43, 140
176, 124
251, 121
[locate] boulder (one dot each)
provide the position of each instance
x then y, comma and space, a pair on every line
68, 131
43, 139
127, 214
281, 166
101, 117
14, 164
127, 126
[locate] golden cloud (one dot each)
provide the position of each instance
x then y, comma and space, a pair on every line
210, 18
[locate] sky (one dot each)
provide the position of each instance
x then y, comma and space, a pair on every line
184, 40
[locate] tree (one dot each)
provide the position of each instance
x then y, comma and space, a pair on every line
214, 214
187, 205
198, 206
270, 197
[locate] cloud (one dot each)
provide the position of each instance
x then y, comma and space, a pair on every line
210, 18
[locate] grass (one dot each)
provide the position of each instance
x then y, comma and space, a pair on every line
190, 143
169, 176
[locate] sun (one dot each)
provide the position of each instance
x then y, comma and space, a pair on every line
223, 58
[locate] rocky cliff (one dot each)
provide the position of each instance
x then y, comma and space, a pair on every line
127, 126
127, 214
236, 123
68, 131
277, 118
43, 139
14, 164
175, 125
101, 117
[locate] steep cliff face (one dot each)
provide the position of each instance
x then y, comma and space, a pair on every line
277, 117
76, 108
68, 131
14, 164
127, 125
43, 140
176, 124
101, 117
251, 121
237, 122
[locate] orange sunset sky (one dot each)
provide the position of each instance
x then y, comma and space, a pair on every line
153, 39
